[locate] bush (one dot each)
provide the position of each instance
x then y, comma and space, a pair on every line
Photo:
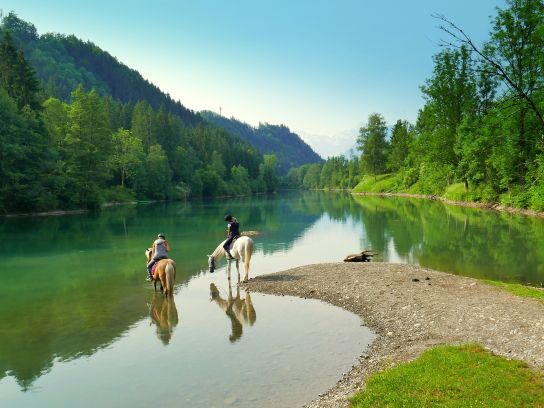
536, 197
119, 194
433, 178
384, 183
409, 177
517, 197
488, 194
456, 192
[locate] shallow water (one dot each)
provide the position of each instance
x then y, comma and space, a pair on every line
78, 322
190, 352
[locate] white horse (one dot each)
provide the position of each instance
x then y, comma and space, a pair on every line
241, 250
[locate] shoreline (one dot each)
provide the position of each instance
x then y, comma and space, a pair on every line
469, 204
120, 203
411, 309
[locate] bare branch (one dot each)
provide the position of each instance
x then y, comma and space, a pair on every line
461, 37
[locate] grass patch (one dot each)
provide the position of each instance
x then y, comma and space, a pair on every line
519, 290
383, 183
455, 376
456, 192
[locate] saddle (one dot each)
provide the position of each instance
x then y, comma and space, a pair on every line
154, 267
233, 241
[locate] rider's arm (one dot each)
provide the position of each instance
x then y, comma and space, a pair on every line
228, 230
166, 246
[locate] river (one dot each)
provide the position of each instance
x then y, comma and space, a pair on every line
79, 323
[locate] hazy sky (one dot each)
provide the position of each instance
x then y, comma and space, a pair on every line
319, 67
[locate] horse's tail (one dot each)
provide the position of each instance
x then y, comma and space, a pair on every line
170, 276
247, 257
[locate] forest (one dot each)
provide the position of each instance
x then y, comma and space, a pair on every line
290, 150
105, 141
480, 133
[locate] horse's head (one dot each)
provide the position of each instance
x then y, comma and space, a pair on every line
148, 253
211, 263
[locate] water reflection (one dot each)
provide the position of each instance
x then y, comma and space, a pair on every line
164, 315
76, 286
465, 241
240, 311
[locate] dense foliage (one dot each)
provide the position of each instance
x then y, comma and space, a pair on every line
480, 134
64, 62
288, 147
91, 148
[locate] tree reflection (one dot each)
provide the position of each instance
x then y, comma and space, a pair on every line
465, 241
76, 284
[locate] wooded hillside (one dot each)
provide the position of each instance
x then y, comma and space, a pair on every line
71, 148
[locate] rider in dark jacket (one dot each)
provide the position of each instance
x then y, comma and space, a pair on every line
233, 231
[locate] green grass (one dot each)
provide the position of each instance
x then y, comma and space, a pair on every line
456, 192
455, 376
519, 290
384, 183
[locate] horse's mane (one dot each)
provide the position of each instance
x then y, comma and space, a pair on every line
218, 252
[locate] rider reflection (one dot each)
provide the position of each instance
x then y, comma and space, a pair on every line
240, 311
164, 315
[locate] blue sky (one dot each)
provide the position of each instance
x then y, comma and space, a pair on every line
319, 67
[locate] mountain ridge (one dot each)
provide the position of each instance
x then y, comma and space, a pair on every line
290, 149
62, 62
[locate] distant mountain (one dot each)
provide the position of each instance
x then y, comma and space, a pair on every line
62, 62
289, 148
335, 145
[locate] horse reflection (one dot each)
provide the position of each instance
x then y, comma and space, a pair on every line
240, 311
164, 315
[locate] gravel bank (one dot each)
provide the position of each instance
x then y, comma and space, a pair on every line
411, 309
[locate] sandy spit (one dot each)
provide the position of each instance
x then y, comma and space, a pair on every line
411, 309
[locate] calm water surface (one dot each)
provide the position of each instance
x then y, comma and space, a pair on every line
78, 322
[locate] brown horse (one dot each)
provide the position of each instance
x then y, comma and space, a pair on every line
165, 273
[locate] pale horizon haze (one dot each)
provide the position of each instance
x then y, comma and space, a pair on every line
318, 67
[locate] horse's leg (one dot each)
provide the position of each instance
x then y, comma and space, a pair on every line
164, 287
248, 251
228, 268
238, 269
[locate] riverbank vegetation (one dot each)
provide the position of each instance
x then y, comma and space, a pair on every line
70, 141
519, 290
452, 376
480, 134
